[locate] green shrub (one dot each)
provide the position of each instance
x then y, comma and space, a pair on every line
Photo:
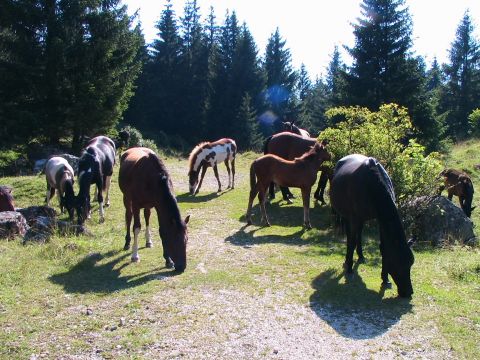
382, 135
474, 121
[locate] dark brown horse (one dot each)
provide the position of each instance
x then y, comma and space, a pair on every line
291, 127
459, 184
361, 190
146, 184
301, 173
6, 199
289, 146
209, 154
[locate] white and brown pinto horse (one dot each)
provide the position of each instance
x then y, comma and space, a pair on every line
145, 184
60, 177
95, 166
208, 154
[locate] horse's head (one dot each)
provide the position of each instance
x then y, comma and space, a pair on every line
174, 236
192, 181
321, 153
468, 195
68, 201
86, 166
398, 266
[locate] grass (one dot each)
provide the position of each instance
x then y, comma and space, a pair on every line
81, 296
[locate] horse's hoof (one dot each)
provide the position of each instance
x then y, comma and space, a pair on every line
148, 245
249, 222
126, 247
135, 259
289, 201
361, 260
107, 204
101, 221
386, 285
169, 264
308, 226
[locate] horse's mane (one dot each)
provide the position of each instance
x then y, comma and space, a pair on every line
194, 153
310, 154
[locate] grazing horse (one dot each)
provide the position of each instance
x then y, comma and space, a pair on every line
208, 154
291, 127
145, 183
301, 173
6, 199
460, 184
361, 190
60, 177
289, 146
95, 166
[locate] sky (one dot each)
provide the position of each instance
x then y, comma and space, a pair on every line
312, 28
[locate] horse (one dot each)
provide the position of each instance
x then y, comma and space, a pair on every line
460, 184
361, 190
208, 154
95, 166
145, 183
291, 127
301, 173
60, 176
6, 199
289, 146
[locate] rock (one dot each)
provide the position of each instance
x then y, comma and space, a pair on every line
33, 212
41, 230
12, 223
438, 221
39, 165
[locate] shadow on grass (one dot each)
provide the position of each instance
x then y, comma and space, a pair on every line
199, 198
353, 310
90, 275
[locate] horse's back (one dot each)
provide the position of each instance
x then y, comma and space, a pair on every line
289, 145
55, 167
136, 166
103, 148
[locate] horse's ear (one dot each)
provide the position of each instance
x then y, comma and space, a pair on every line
187, 219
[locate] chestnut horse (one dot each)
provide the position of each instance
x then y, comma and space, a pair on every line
301, 173
6, 199
208, 154
95, 166
459, 184
361, 190
60, 177
145, 184
289, 146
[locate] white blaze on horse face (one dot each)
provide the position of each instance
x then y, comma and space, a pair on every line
135, 257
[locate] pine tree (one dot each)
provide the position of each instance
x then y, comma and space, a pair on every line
251, 138
462, 93
280, 77
335, 80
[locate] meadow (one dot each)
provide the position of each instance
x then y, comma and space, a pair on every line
248, 291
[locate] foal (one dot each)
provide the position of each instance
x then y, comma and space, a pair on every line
300, 173
209, 154
60, 177
459, 184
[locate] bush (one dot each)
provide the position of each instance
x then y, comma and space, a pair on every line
383, 135
136, 139
474, 121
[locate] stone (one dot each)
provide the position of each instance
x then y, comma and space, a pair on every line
12, 224
72, 160
31, 213
438, 221
40, 231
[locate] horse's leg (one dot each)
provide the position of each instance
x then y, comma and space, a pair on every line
60, 202
361, 258
228, 171
306, 206
148, 237
50, 194
136, 230
108, 181
128, 221
248, 215
287, 195
262, 198
100, 201
322, 184
351, 237
271, 188
385, 282
233, 173
204, 169
450, 194
215, 171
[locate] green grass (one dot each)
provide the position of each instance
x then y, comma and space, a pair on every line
45, 290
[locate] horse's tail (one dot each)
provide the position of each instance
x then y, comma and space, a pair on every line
265, 146
253, 177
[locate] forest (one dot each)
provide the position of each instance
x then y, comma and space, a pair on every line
70, 70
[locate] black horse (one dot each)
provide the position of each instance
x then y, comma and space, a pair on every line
361, 190
95, 166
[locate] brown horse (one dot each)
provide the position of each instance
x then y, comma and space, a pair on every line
6, 199
460, 184
301, 173
208, 154
145, 183
289, 146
